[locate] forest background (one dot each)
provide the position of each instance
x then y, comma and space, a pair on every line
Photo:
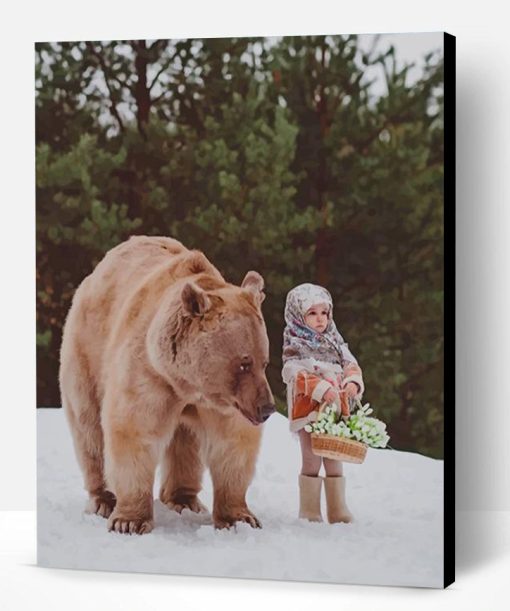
273, 154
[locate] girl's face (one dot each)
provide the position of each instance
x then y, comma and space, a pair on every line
316, 317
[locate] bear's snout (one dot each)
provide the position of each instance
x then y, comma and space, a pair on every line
265, 411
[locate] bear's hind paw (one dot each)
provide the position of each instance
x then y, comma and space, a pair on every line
101, 503
130, 527
193, 503
229, 521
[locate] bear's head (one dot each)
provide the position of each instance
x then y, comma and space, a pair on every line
209, 341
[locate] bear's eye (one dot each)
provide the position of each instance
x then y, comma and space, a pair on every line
246, 363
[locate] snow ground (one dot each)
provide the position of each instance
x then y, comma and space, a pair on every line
396, 498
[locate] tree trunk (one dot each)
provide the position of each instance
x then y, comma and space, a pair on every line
142, 92
324, 241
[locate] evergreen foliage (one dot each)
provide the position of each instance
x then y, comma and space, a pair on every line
270, 155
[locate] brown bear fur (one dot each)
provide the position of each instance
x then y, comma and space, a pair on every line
162, 361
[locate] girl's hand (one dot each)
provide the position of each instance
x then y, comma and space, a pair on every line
346, 412
351, 389
331, 396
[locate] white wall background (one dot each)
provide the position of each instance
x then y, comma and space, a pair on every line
483, 212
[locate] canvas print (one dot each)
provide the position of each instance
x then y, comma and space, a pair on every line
241, 264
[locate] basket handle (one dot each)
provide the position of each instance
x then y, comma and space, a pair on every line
322, 406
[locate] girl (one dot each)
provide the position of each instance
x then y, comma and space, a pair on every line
317, 366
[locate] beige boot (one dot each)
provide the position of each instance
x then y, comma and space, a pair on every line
335, 500
310, 498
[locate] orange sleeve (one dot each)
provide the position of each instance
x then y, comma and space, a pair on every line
310, 385
352, 373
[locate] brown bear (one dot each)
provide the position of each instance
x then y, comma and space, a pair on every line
162, 360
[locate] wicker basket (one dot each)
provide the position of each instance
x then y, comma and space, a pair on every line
338, 448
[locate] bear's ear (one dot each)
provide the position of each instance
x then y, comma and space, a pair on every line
194, 300
254, 283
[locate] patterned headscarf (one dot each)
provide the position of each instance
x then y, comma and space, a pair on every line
299, 340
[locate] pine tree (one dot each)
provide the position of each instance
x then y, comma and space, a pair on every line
271, 155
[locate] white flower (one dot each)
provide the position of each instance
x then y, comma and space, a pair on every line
359, 426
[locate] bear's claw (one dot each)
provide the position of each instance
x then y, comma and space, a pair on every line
192, 503
130, 527
229, 521
102, 504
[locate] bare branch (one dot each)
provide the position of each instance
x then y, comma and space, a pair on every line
160, 43
102, 64
160, 72
160, 96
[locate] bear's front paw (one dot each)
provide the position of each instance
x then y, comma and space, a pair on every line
102, 503
191, 502
244, 515
131, 526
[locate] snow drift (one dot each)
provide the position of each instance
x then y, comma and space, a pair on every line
396, 498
